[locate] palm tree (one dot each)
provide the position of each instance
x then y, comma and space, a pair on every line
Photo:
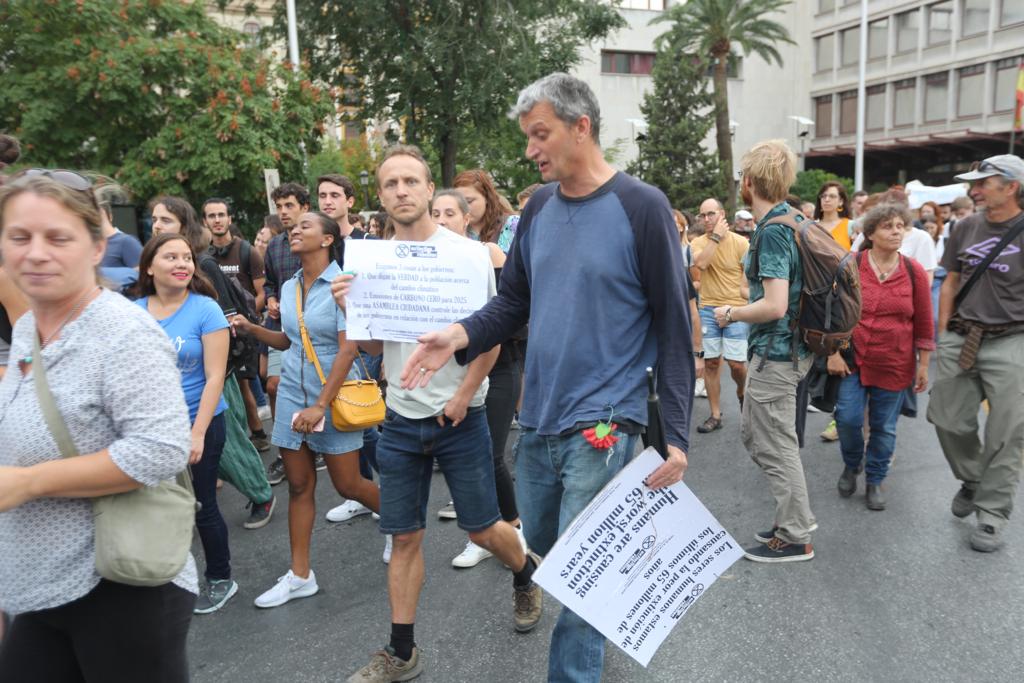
714, 27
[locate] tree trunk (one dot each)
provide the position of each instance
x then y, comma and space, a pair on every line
449, 147
722, 135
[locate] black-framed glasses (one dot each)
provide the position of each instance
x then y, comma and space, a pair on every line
69, 179
989, 166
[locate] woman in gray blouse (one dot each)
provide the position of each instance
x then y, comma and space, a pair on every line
113, 375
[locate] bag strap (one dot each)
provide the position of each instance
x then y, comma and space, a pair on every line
58, 428
982, 268
308, 345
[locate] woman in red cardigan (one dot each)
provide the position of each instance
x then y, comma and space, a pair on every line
891, 347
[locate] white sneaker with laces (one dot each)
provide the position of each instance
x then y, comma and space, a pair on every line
471, 556
448, 511
264, 413
346, 511
388, 540
287, 588
699, 389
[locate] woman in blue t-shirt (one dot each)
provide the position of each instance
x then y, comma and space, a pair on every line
183, 302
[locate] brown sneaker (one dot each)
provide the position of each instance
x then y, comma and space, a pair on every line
528, 606
385, 667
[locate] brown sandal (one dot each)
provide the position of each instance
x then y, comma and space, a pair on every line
711, 424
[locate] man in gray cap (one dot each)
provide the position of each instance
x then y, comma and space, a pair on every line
981, 349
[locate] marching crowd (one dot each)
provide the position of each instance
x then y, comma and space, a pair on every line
128, 364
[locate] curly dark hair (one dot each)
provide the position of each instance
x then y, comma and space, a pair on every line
880, 215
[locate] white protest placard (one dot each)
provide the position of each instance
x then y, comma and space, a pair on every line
635, 560
405, 289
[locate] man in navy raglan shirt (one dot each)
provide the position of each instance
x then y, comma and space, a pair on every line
597, 272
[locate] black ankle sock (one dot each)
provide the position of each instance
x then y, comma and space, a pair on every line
524, 577
402, 640
259, 434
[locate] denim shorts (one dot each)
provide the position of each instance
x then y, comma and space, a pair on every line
729, 341
405, 455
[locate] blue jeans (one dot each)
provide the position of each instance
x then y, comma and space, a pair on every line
368, 453
405, 455
556, 477
213, 531
257, 392
883, 411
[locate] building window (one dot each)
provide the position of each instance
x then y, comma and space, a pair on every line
936, 96
825, 49
904, 96
848, 111
638, 63
940, 23
875, 107
1011, 12
826, 5
878, 39
970, 91
975, 17
653, 5
823, 116
1006, 84
850, 46
908, 25
251, 31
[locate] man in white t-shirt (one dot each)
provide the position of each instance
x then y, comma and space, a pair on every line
445, 420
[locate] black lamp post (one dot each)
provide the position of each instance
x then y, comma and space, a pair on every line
364, 180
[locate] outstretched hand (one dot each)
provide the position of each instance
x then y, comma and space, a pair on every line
434, 350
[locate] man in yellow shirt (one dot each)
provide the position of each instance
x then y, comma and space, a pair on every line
719, 254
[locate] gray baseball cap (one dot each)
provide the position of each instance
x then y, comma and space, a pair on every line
1009, 166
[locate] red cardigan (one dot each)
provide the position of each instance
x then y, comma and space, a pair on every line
895, 321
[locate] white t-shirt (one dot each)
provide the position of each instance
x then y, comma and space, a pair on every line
917, 244
429, 401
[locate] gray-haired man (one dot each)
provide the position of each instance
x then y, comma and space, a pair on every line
981, 350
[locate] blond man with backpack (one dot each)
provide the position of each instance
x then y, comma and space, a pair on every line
788, 253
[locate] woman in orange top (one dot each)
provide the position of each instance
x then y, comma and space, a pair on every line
832, 210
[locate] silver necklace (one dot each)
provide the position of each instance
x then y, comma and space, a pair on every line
883, 275
74, 311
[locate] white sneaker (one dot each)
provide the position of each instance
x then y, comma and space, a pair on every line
447, 512
812, 409
288, 587
388, 540
264, 412
376, 517
699, 390
346, 511
471, 556
522, 538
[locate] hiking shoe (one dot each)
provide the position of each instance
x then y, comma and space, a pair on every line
262, 443
529, 602
963, 502
831, 432
711, 424
388, 543
847, 484
471, 556
385, 667
275, 472
986, 538
447, 512
215, 595
350, 509
777, 550
288, 587
765, 536
874, 498
320, 463
260, 513
264, 413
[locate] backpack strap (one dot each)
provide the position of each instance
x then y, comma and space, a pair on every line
245, 256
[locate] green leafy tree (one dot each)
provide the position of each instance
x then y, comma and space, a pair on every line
714, 28
677, 110
154, 94
445, 69
808, 183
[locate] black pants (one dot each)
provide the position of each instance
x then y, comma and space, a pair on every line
213, 530
505, 382
115, 633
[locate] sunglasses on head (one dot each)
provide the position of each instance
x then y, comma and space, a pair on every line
984, 166
68, 179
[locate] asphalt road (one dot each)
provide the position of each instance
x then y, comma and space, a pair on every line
890, 596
